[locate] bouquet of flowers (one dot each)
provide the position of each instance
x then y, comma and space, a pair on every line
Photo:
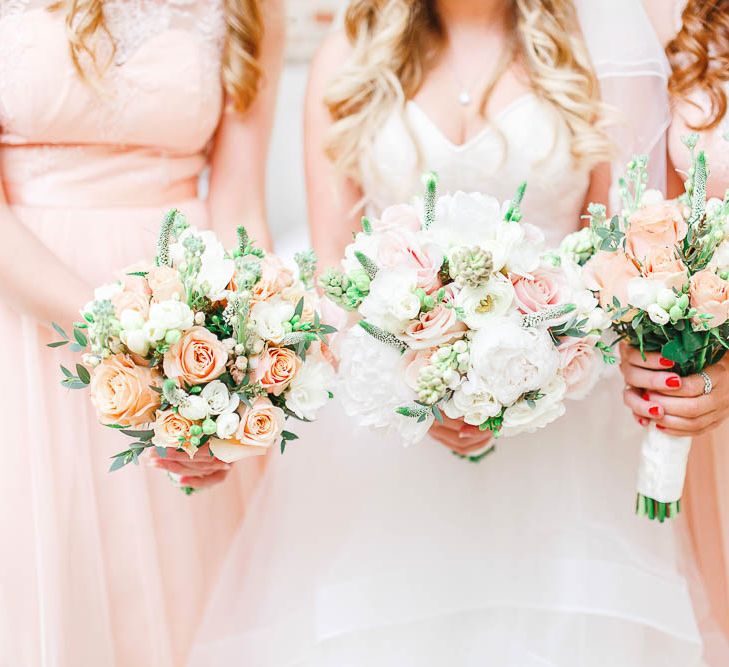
203, 346
661, 270
462, 313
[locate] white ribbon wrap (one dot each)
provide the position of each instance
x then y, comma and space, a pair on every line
662, 469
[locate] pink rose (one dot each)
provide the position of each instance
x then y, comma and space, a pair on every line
547, 286
581, 365
709, 294
198, 358
277, 367
260, 427
165, 283
398, 248
127, 300
274, 278
434, 328
402, 216
136, 283
172, 430
414, 362
652, 226
122, 392
609, 273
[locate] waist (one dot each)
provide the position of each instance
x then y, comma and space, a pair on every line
97, 176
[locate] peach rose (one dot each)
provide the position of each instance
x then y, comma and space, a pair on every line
434, 328
661, 264
609, 273
274, 278
580, 366
546, 287
169, 427
709, 294
277, 366
136, 283
399, 216
260, 427
198, 358
399, 248
652, 226
131, 300
294, 294
121, 391
165, 283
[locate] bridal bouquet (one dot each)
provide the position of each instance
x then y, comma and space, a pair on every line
463, 314
661, 270
203, 346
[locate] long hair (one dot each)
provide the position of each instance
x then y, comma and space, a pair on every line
699, 57
240, 70
391, 44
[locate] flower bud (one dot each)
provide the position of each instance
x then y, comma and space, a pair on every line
137, 342
199, 318
173, 336
666, 299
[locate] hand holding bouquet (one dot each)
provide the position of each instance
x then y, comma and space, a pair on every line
462, 314
203, 348
660, 268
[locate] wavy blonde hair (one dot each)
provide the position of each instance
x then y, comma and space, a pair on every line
391, 42
241, 72
699, 57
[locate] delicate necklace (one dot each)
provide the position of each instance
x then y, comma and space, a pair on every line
464, 89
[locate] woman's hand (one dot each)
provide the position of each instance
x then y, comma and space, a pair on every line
459, 437
199, 472
677, 405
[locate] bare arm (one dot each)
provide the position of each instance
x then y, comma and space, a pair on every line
599, 189
332, 199
32, 279
240, 149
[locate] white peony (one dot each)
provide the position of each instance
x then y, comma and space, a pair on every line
226, 425
511, 360
642, 292
169, 315
219, 399
309, 390
194, 408
392, 302
466, 219
472, 402
482, 304
269, 318
525, 418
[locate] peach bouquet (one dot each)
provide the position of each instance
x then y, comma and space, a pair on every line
203, 346
661, 271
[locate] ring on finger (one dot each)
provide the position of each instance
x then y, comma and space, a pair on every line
708, 385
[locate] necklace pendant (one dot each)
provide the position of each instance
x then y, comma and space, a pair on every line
464, 99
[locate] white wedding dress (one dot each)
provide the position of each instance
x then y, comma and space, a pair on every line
358, 552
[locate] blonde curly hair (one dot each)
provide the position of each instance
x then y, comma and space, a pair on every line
390, 42
699, 57
240, 70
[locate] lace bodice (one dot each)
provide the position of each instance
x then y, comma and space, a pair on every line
525, 141
162, 88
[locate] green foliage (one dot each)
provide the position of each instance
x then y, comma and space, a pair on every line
513, 214
429, 200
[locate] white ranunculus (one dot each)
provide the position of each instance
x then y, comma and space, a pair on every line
226, 425
309, 390
525, 418
194, 408
472, 402
219, 399
658, 315
171, 314
481, 304
642, 292
131, 319
107, 292
154, 332
136, 341
466, 219
392, 302
269, 318
511, 360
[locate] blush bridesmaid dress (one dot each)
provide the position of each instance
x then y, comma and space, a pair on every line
96, 569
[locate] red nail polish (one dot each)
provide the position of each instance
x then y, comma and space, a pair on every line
655, 411
667, 363
674, 382
660, 428
642, 421
645, 396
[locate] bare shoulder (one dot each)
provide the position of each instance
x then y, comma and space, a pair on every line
663, 15
334, 51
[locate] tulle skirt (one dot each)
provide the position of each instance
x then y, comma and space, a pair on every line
357, 551
96, 569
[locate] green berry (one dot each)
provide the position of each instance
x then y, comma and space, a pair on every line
675, 313
173, 336
195, 441
209, 427
196, 430
683, 301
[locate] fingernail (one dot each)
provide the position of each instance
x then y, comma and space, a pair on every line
674, 382
655, 411
645, 396
642, 421
660, 428
667, 363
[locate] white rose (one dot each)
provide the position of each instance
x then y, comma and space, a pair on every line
525, 418
511, 360
131, 319
658, 315
219, 399
226, 425
168, 315
466, 219
643, 292
525, 249
194, 408
392, 302
598, 320
481, 304
107, 292
136, 341
473, 403
309, 390
269, 318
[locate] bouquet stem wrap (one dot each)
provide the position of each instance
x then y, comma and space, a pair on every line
661, 474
